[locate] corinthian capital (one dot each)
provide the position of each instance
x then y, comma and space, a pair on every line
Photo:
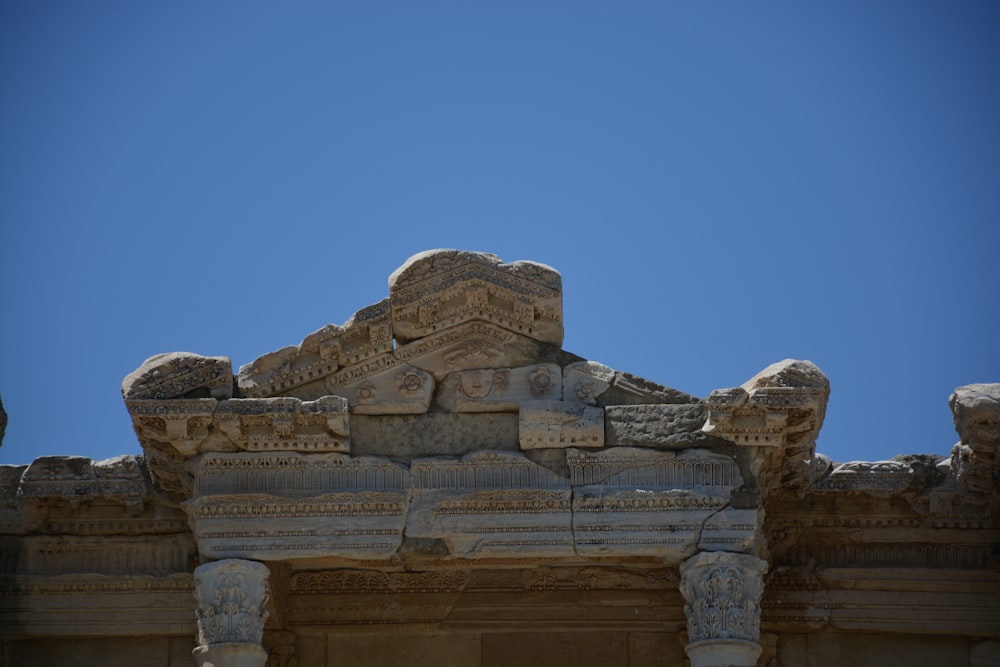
722, 592
231, 598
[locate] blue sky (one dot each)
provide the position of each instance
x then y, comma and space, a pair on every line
721, 185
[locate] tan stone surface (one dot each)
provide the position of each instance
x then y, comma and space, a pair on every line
419, 650
556, 424
433, 434
555, 649
670, 426
873, 650
95, 652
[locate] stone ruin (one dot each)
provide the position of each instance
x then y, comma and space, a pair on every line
437, 481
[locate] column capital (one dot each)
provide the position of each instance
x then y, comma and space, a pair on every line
722, 592
232, 596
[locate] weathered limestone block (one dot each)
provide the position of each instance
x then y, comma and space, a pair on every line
781, 408
358, 597
288, 424
491, 504
77, 479
304, 370
468, 346
382, 385
641, 502
432, 434
585, 381
975, 460
438, 289
291, 505
628, 389
881, 479
69, 478
550, 424
180, 375
783, 404
232, 609
292, 367
722, 592
181, 423
670, 426
500, 389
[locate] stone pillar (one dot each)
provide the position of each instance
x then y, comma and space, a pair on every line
231, 595
722, 593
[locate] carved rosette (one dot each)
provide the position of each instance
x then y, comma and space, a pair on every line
722, 593
231, 595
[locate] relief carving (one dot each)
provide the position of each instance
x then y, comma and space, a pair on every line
443, 288
232, 596
545, 424
180, 375
722, 593
499, 389
286, 424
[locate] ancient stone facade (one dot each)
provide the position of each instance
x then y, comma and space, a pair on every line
437, 482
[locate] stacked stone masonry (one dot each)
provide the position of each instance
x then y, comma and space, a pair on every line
437, 480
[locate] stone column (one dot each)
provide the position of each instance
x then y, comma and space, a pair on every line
722, 593
231, 598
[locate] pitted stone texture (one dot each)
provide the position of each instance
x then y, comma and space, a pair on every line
641, 502
975, 460
180, 375
500, 389
555, 424
671, 426
585, 381
288, 505
491, 504
438, 289
433, 434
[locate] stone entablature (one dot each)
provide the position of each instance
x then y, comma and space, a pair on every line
437, 459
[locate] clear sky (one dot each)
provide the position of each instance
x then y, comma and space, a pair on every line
721, 184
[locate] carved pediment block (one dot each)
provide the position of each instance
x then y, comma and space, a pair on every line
287, 424
491, 505
554, 424
584, 381
500, 389
180, 375
303, 370
382, 385
290, 505
77, 478
439, 289
640, 502
783, 404
471, 345
183, 423
59, 477
881, 479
